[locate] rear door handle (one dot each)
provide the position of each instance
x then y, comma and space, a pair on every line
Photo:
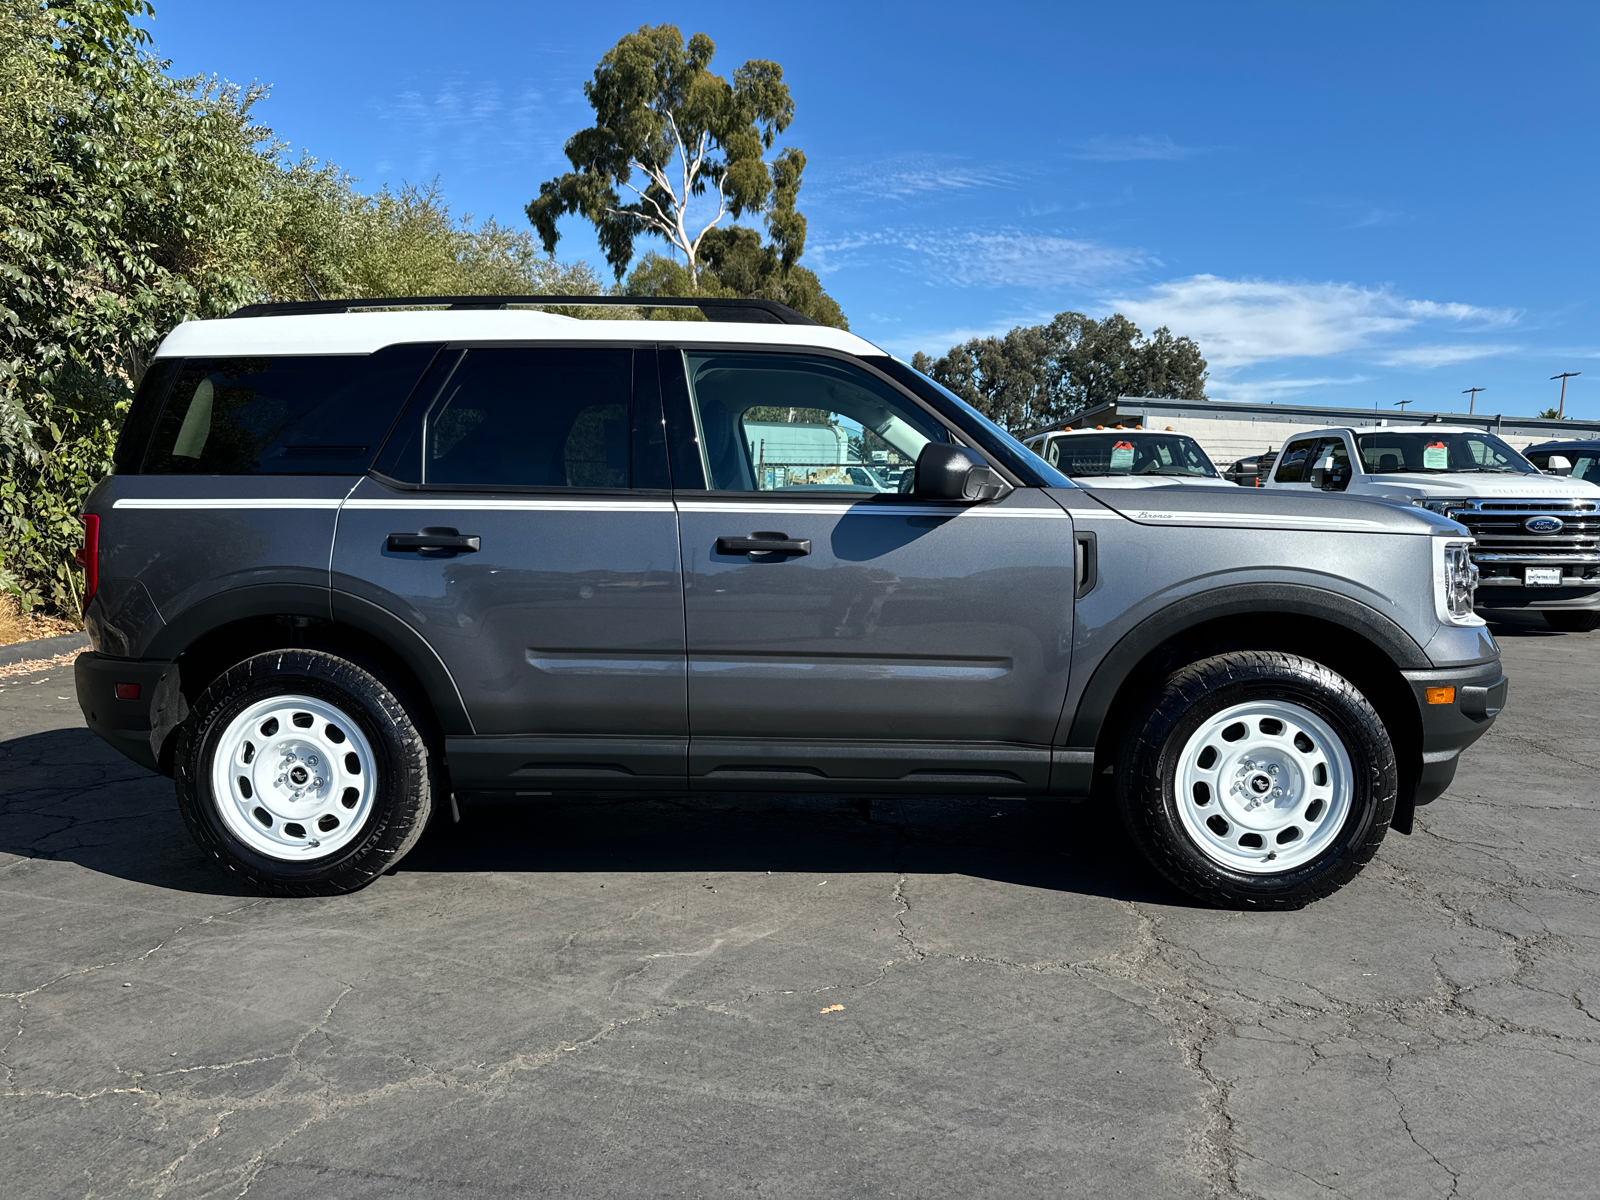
764, 544
435, 541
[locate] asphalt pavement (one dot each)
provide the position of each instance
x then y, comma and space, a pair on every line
791, 996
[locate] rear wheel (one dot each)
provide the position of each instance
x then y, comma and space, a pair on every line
303, 773
1572, 620
1258, 780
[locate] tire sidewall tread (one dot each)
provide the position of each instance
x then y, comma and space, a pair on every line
407, 770
1148, 764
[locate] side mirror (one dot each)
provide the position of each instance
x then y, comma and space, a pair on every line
1559, 465
947, 472
1330, 476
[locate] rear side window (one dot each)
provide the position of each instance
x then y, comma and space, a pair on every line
1291, 467
283, 415
532, 417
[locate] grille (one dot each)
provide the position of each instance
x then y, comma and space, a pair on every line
1503, 543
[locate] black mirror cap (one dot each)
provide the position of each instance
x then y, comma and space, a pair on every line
947, 472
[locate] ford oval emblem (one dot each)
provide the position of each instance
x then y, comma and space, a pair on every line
1544, 524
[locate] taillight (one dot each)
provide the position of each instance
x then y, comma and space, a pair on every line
88, 556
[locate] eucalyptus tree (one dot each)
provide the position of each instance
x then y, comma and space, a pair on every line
687, 146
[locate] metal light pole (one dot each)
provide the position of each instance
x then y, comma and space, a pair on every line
1401, 404
1564, 376
1473, 401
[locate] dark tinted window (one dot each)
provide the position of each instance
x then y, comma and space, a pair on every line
533, 417
1291, 467
141, 420
285, 415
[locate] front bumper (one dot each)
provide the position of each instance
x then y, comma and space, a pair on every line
139, 728
1448, 729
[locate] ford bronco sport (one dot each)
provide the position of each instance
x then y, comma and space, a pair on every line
355, 566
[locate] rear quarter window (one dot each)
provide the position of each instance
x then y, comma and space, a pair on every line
282, 415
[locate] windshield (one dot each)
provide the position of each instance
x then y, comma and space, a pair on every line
1129, 454
1392, 452
1011, 451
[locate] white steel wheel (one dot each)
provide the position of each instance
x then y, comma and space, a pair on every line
1264, 786
293, 778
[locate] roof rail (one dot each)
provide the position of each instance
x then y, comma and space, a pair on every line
760, 312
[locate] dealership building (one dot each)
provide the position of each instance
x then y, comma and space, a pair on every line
1231, 431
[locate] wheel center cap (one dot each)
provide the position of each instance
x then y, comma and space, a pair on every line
1259, 784
298, 776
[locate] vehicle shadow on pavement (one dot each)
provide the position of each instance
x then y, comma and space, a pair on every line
1034, 843
67, 796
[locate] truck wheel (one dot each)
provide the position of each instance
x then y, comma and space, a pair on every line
303, 773
1258, 780
1572, 620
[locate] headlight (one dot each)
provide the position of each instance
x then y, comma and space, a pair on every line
1455, 579
1442, 507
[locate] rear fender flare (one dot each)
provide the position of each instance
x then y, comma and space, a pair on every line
303, 600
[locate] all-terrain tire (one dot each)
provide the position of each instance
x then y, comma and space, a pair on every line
1148, 768
406, 774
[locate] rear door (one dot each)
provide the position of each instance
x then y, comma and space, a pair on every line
520, 520
894, 643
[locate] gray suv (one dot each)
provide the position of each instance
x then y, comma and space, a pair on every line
354, 566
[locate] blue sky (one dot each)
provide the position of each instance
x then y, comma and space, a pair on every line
1344, 203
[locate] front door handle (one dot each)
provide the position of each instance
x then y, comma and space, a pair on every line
435, 541
763, 544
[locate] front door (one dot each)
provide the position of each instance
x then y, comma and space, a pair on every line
841, 632
521, 523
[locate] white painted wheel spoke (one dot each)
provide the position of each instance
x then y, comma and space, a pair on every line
293, 778
1264, 786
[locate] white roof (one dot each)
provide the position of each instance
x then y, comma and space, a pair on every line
364, 332
1366, 429
1113, 429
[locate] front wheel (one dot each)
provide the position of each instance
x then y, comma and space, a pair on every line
303, 773
1258, 780
1572, 620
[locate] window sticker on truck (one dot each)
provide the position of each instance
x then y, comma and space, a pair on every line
1436, 457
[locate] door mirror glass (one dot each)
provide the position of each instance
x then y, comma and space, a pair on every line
946, 472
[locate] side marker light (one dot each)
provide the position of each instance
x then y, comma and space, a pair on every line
127, 691
1441, 695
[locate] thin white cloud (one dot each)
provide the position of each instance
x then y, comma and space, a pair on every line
1143, 148
1243, 321
1260, 391
973, 258
905, 177
1428, 357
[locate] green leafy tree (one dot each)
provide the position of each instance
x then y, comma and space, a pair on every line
670, 132
1552, 414
132, 200
1040, 374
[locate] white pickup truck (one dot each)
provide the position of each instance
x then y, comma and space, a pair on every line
1537, 536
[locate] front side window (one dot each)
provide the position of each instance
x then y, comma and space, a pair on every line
1091, 454
1586, 466
1397, 452
532, 417
1292, 466
802, 423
